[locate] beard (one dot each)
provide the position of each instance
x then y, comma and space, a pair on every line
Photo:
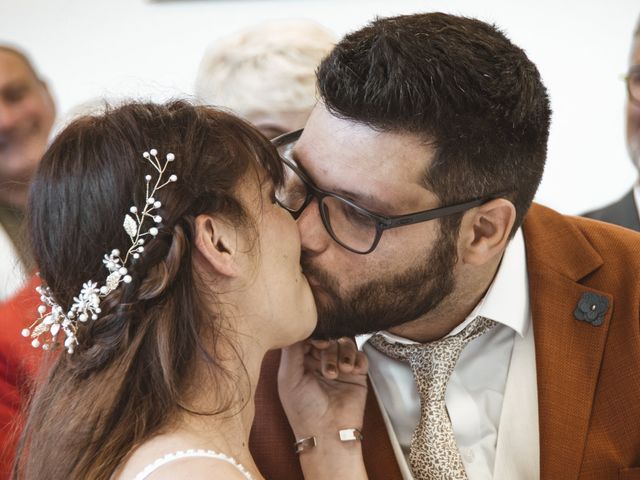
383, 303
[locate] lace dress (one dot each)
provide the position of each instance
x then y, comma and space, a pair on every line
171, 457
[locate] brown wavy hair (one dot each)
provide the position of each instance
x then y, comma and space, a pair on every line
129, 376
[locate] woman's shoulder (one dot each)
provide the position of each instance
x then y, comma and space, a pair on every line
171, 456
195, 465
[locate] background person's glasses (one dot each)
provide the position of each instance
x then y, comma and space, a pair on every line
632, 79
353, 227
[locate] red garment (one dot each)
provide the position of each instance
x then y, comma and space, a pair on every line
19, 363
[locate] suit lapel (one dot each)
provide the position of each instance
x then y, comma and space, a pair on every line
568, 351
379, 458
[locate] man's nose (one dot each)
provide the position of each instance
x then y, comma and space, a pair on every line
314, 237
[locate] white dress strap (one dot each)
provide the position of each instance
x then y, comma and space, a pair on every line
171, 457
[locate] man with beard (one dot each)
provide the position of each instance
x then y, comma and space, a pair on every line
26, 117
624, 212
503, 337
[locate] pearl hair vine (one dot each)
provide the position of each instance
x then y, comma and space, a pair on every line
86, 306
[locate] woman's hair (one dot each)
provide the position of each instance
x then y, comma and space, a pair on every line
129, 375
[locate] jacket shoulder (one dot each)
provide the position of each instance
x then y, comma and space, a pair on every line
577, 245
613, 242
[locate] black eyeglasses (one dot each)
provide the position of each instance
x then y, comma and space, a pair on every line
632, 80
353, 227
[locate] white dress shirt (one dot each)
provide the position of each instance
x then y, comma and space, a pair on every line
475, 392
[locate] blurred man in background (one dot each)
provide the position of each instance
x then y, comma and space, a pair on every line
266, 74
27, 113
624, 212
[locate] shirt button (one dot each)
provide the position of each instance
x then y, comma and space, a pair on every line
468, 455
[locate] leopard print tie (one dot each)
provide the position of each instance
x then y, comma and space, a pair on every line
434, 454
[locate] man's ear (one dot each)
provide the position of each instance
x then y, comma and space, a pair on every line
485, 231
216, 240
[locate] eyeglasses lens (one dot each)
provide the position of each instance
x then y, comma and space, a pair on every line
347, 224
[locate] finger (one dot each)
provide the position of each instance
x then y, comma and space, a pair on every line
347, 354
321, 344
312, 364
313, 351
317, 346
361, 364
329, 361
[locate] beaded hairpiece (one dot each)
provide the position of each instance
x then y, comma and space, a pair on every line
44, 331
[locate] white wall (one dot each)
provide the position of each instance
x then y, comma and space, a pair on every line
90, 48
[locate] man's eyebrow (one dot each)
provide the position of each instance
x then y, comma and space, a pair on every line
368, 202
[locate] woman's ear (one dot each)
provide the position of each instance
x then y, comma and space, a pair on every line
485, 233
216, 240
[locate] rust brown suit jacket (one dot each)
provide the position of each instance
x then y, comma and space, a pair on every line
588, 376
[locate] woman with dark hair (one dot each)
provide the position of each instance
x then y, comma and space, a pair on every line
168, 272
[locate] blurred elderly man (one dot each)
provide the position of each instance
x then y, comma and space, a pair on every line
266, 74
626, 211
27, 113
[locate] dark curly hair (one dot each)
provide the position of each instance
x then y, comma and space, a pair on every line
456, 82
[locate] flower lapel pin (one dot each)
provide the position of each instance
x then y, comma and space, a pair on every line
591, 308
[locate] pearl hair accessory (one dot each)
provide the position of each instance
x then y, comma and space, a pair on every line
86, 305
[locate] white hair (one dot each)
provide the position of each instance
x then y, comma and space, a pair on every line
93, 106
267, 68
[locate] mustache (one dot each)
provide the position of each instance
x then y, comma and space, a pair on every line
309, 270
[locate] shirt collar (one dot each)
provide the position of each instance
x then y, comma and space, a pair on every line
506, 300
